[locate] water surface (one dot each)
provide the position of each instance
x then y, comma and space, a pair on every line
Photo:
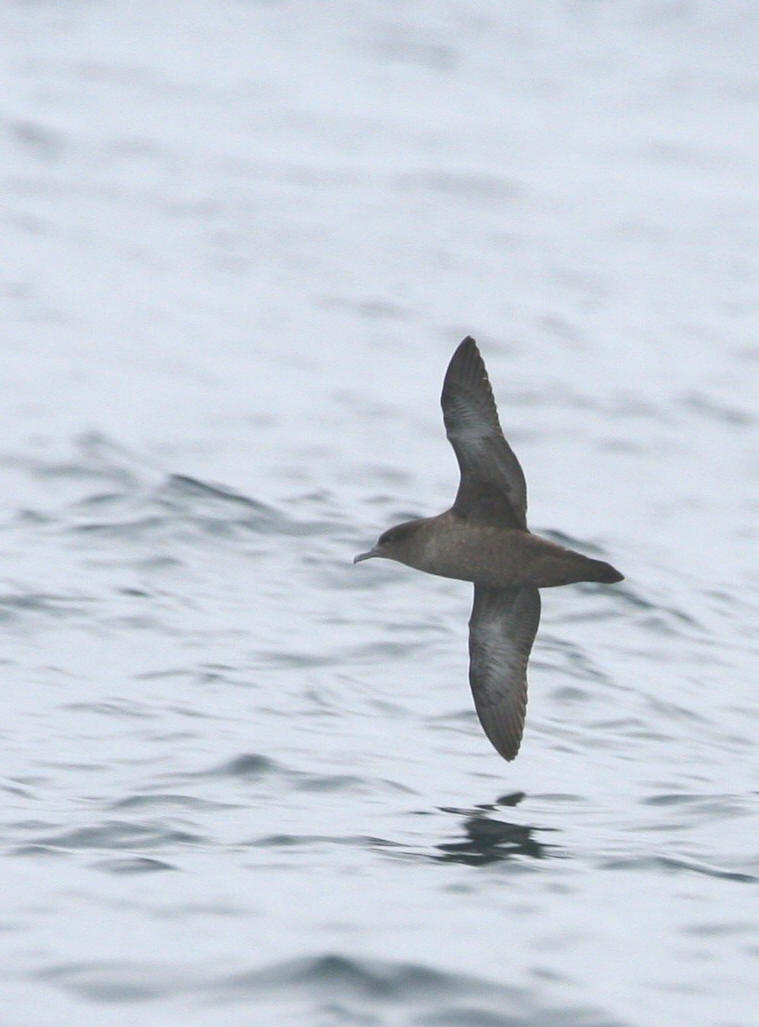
243, 779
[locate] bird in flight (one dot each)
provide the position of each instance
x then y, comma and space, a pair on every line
484, 539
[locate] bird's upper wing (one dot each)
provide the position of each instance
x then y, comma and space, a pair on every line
501, 632
492, 488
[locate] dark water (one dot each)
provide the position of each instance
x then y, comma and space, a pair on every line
243, 779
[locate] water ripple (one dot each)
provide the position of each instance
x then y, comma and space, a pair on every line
119, 834
672, 865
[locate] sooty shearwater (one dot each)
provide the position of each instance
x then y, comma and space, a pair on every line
484, 538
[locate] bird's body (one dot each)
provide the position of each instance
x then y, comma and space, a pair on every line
490, 555
484, 539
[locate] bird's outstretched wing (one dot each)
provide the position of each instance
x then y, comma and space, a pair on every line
492, 488
501, 632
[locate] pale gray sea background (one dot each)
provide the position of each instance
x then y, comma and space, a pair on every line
243, 780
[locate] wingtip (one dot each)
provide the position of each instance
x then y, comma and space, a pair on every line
467, 345
511, 753
466, 364
508, 741
506, 738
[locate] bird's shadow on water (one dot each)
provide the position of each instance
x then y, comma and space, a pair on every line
490, 839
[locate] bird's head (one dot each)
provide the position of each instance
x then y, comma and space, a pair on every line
392, 544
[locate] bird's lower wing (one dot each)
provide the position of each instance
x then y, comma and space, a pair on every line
501, 632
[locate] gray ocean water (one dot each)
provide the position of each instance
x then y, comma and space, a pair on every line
243, 782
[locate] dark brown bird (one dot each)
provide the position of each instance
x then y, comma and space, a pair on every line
484, 538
